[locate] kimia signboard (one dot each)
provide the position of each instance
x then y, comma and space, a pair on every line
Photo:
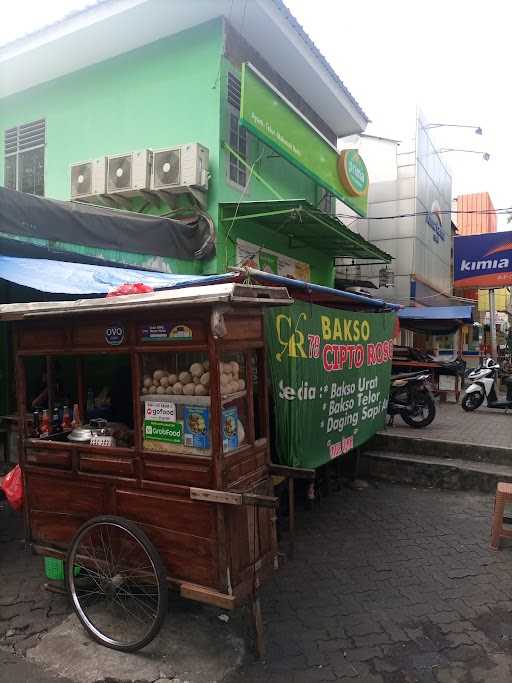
483, 260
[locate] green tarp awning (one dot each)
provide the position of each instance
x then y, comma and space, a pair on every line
305, 225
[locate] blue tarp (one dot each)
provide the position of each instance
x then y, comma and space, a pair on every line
464, 313
320, 290
61, 277
435, 319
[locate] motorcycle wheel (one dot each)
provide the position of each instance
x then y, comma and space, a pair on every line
426, 414
472, 401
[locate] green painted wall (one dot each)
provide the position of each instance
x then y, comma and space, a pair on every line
167, 93
287, 181
164, 94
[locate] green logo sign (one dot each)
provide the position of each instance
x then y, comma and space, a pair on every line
170, 432
352, 172
266, 113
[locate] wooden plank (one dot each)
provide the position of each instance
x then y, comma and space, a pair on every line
259, 500
243, 328
47, 492
176, 473
168, 512
49, 458
295, 472
206, 595
102, 465
211, 496
87, 334
41, 337
186, 557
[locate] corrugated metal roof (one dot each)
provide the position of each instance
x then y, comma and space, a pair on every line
280, 5
87, 6
309, 42
237, 294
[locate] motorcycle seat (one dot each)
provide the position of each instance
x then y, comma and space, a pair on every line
407, 375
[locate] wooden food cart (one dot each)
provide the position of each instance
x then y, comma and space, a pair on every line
178, 491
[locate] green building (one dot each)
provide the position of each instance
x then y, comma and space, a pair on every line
108, 104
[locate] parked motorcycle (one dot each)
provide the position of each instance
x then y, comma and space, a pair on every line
410, 396
483, 386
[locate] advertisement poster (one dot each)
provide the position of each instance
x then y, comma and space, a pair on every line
254, 256
196, 427
483, 260
160, 423
330, 373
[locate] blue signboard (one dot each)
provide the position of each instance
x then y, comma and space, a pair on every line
483, 260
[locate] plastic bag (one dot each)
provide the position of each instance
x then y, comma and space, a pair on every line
12, 486
135, 288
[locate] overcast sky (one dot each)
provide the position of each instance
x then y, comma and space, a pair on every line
450, 57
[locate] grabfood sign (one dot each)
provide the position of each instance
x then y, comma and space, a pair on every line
330, 373
270, 117
483, 260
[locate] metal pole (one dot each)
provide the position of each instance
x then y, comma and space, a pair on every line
492, 312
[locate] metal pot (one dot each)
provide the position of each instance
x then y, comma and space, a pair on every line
84, 433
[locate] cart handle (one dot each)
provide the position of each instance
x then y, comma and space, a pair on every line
229, 498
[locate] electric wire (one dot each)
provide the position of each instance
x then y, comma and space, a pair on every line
482, 212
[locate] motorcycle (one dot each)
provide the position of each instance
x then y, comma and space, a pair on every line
411, 397
483, 386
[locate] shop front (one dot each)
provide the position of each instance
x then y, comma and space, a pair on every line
292, 235
149, 409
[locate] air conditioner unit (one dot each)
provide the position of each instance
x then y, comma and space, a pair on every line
88, 179
128, 174
179, 168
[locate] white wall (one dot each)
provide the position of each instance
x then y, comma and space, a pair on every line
407, 178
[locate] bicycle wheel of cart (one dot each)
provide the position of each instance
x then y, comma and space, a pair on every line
120, 593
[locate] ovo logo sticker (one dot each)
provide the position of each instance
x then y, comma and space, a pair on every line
114, 335
291, 339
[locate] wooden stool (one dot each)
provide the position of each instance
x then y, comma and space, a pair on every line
503, 496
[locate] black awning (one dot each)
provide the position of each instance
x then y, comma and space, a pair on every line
93, 226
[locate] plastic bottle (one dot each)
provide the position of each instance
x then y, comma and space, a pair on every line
45, 424
76, 421
66, 419
55, 421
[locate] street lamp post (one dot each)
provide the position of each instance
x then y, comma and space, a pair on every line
486, 156
477, 129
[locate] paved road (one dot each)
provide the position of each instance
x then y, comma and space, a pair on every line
388, 585
391, 585
484, 426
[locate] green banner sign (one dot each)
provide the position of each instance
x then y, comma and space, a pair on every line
266, 113
330, 373
169, 432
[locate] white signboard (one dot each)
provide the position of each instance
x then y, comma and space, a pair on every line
163, 411
254, 256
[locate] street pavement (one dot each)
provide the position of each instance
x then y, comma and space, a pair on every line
390, 584
484, 426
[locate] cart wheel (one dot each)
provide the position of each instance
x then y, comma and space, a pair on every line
120, 594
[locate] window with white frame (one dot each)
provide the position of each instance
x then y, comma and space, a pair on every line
237, 136
24, 157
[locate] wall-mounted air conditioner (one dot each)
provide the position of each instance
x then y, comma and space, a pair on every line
88, 179
128, 174
178, 168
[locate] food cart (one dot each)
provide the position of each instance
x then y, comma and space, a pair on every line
174, 488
